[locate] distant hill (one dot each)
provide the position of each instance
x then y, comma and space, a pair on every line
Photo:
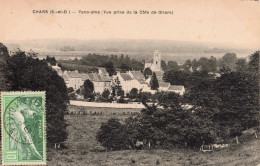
126, 45
137, 49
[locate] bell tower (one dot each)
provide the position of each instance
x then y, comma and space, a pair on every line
157, 60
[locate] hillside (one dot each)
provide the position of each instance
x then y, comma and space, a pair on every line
82, 144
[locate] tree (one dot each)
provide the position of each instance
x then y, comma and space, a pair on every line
241, 65
176, 77
112, 135
72, 96
122, 59
173, 65
88, 88
106, 94
147, 72
240, 103
228, 61
35, 75
187, 65
118, 88
253, 65
144, 96
70, 89
51, 60
154, 82
208, 65
113, 91
120, 92
109, 66
125, 67
164, 66
195, 64
133, 93
169, 99
212, 62
5, 84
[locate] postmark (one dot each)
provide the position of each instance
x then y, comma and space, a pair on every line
23, 128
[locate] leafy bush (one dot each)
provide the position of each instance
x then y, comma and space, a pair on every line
112, 135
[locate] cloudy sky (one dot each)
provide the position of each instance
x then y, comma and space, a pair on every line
217, 21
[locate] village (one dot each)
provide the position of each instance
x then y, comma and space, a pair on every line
126, 81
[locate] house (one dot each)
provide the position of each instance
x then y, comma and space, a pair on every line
177, 89
164, 86
167, 87
75, 80
127, 82
155, 63
72, 79
100, 82
137, 75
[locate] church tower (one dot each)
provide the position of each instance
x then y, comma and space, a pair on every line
156, 60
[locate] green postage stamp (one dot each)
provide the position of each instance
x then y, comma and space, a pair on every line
23, 128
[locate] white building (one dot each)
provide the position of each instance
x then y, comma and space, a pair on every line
127, 82
72, 79
133, 79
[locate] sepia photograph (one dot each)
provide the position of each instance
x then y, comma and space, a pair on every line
130, 83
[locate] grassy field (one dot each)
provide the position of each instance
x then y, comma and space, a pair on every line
82, 143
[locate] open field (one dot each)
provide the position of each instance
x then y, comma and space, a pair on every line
81, 145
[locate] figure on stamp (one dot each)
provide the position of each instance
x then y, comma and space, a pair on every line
22, 139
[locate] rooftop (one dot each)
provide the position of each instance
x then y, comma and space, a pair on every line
97, 78
138, 76
85, 76
126, 76
176, 87
73, 74
103, 71
164, 84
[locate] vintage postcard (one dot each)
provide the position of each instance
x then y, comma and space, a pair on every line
23, 128
130, 82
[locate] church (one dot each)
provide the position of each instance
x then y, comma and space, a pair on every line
155, 63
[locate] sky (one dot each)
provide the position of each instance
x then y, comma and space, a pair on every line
217, 21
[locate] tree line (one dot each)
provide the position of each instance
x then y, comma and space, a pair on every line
112, 62
229, 61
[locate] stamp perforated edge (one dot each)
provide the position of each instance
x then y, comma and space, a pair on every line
45, 133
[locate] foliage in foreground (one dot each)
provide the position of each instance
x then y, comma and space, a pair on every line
28, 73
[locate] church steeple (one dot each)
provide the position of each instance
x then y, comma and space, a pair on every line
157, 60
